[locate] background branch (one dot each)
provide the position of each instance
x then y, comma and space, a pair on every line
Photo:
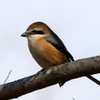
50, 76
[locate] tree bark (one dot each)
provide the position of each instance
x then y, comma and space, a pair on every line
50, 76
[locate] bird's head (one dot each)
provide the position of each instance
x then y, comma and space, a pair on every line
37, 30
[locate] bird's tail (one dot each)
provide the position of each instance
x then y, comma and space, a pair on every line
93, 79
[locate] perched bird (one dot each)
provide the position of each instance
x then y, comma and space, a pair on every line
46, 47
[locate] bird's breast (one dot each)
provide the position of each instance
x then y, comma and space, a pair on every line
45, 54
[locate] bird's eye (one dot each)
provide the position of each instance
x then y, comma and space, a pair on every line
37, 32
34, 31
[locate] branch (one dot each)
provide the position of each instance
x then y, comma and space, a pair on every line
50, 76
7, 76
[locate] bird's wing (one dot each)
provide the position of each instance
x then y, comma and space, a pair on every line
58, 44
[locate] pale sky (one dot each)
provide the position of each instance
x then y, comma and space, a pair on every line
76, 22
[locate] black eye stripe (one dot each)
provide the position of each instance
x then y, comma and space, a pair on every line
34, 31
37, 32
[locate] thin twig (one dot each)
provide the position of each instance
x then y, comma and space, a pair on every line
7, 76
73, 99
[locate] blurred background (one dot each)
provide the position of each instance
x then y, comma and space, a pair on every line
76, 22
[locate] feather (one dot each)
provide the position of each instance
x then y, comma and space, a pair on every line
58, 44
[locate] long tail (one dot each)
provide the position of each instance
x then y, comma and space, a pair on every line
89, 76
70, 58
93, 79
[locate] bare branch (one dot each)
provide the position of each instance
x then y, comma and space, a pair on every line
7, 76
51, 76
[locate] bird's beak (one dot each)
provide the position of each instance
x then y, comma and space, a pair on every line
24, 34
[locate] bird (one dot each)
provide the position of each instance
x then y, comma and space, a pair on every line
46, 47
